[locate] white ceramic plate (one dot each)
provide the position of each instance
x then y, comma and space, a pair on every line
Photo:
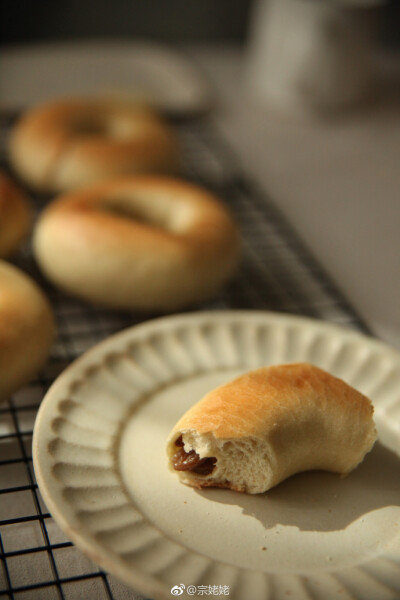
99, 456
154, 72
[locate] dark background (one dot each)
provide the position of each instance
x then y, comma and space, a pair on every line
164, 20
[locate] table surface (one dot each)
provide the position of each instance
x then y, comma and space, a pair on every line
337, 180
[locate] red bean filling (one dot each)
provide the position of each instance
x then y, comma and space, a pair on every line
191, 461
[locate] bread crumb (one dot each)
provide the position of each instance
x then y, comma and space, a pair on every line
263, 548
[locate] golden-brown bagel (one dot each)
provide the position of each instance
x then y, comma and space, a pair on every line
65, 144
15, 216
140, 243
26, 329
259, 429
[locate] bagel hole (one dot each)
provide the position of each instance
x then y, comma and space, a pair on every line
117, 127
88, 126
119, 208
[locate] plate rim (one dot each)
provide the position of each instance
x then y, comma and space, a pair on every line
106, 558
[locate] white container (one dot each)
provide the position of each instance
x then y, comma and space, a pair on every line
312, 55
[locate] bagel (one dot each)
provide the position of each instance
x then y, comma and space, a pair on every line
26, 329
138, 243
255, 431
66, 144
15, 216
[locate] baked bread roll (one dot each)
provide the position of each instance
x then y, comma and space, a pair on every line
138, 243
15, 216
64, 144
268, 424
26, 329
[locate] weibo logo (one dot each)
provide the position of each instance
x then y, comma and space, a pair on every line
178, 590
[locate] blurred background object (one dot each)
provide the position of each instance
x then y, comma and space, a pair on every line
135, 70
310, 56
165, 20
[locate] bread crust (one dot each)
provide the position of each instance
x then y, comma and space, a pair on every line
15, 216
26, 329
296, 416
64, 144
138, 243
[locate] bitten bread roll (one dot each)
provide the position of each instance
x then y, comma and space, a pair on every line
15, 216
26, 329
268, 424
64, 144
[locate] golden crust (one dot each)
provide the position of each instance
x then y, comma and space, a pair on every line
15, 216
26, 329
144, 242
255, 401
65, 144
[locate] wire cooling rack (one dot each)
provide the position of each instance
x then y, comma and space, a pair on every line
277, 273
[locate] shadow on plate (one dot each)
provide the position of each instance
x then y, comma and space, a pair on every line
322, 501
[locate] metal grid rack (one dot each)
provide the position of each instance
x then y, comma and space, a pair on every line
277, 272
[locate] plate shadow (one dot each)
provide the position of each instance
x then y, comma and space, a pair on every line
322, 501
